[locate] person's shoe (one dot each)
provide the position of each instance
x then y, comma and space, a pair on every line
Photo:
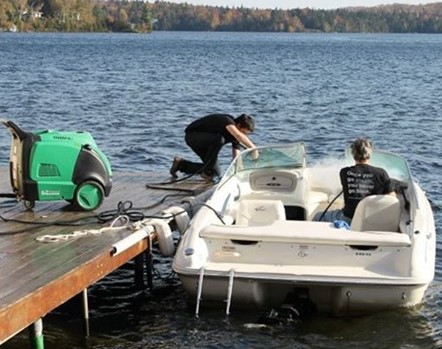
206, 177
175, 166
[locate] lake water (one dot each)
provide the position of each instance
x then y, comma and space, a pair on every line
136, 94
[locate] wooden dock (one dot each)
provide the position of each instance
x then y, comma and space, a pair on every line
37, 277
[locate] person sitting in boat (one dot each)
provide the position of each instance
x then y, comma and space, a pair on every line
207, 135
359, 181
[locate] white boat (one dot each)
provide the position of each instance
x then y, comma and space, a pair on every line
255, 243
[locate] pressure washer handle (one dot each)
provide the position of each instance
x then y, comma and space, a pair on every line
14, 129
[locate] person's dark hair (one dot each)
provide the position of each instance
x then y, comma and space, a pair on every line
246, 121
361, 149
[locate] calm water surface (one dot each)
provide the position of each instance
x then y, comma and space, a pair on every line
136, 93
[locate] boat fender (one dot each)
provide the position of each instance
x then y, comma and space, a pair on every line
181, 217
164, 236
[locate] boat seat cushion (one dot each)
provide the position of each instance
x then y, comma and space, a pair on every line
259, 212
377, 213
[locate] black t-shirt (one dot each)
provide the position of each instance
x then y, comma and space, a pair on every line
215, 123
362, 180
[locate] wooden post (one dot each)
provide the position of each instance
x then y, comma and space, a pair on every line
149, 261
139, 277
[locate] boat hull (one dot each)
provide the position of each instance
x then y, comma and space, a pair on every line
337, 299
259, 240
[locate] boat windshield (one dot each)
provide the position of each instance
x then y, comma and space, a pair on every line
395, 165
274, 156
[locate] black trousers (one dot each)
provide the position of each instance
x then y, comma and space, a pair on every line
207, 146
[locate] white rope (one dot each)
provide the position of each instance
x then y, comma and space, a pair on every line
142, 224
78, 233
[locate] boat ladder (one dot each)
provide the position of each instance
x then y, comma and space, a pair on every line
200, 290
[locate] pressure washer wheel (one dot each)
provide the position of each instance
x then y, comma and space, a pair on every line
89, 195
29, 204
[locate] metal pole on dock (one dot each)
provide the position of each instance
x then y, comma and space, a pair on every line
36, 335
230, 290
86, 313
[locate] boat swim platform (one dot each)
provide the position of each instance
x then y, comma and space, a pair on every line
37, 277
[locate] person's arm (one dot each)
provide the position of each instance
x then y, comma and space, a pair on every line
239, 136
243, 139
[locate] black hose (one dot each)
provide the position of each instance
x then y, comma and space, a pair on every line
331, 203
155, 185
8, 195
39, 225
124, 208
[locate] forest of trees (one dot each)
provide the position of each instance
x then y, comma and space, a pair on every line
389, 19
142, 16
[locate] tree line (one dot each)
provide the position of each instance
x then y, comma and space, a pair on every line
385, 19
142, 16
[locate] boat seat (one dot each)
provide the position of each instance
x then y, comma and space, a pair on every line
259, 212
377, 213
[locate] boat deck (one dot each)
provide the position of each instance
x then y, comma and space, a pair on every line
37, 277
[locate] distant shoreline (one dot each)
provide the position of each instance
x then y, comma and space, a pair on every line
143, 17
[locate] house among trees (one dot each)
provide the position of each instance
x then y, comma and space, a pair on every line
138, 15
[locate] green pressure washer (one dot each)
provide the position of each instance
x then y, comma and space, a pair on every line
51, 165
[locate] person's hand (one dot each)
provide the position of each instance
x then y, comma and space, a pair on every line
254, 154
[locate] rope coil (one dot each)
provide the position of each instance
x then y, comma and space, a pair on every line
124, 220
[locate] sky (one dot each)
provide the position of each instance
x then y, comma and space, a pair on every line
290, 4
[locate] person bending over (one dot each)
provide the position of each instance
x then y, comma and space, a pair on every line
206, 136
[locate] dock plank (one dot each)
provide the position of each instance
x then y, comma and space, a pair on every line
37, 277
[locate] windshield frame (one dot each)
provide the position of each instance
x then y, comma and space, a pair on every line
295, 153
